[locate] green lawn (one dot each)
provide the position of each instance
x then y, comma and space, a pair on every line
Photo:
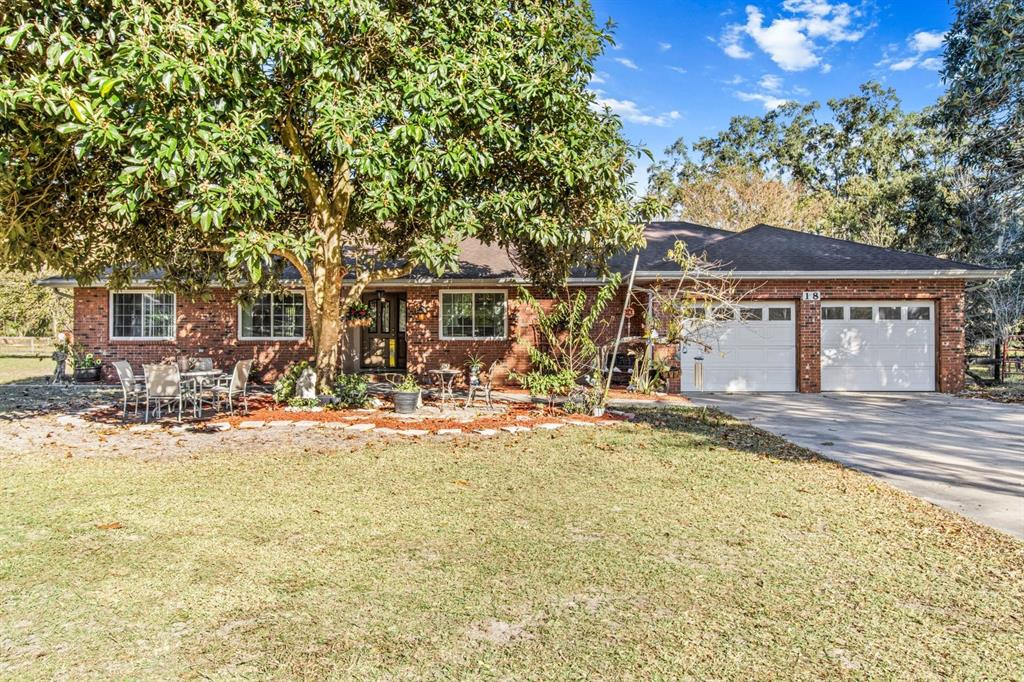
671, 549
20, 369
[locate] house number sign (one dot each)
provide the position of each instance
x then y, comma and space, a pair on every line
812, 295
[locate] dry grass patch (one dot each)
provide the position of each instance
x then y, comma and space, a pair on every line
681, 546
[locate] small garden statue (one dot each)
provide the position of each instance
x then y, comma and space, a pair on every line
305, 386
60, 358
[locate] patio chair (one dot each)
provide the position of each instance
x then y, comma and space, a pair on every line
164, 386
229, 388
485, 386
132, 387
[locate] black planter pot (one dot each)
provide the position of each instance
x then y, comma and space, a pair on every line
406, 402
87, 374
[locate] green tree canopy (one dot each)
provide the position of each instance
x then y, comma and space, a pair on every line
860, 168
353, 138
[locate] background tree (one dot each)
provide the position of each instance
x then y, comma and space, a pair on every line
353, 139
732, 197
27, 309
983, 114
860, 169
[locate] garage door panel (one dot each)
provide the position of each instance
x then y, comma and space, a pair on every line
878, 355
754, 355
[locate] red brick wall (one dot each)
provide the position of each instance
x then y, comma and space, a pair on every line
427, 351
948, 296
205, 328
209, 328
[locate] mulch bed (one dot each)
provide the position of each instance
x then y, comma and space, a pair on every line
516, 414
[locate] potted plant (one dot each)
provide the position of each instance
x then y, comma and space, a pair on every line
475, 364
86, 366
406, 395
358, 314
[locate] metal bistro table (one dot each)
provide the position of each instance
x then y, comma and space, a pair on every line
445, 380
202, 378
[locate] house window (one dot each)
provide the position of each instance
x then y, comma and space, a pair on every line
919, 313
832, 312
886, 312
751, 314
860, 312
473, 315
273, 316
141, 315
780, 314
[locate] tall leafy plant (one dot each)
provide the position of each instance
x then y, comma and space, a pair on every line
568, 329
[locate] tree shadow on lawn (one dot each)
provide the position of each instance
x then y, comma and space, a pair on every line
723, 430
28, 398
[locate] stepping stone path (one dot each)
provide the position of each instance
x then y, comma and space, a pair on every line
360, 427
253, 424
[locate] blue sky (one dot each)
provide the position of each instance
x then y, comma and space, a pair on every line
683, 68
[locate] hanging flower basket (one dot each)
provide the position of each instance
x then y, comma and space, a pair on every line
358, 315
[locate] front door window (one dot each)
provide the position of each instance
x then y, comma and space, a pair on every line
382, 344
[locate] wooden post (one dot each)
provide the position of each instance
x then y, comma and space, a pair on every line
618, 335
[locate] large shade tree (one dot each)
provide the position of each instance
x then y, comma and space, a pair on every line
353, 139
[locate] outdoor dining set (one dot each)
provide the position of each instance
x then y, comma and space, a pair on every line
190, 383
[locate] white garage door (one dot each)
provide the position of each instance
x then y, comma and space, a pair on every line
752, 348
877, 346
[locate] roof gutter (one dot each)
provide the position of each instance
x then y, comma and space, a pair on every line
642, 276
959, 273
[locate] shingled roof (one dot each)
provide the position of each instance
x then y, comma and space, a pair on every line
769, 249
760, 251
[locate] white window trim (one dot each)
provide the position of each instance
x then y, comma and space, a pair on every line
440, 315
110, 316
874, 304
238, 315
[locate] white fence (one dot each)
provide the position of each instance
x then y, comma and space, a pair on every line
28, 346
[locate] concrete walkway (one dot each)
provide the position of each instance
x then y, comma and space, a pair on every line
966, 455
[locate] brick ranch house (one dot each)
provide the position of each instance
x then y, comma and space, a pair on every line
818, 314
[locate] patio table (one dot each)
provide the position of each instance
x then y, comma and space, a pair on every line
445, 380
201, 378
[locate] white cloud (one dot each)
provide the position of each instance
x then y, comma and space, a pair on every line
904, 64
770, 82
792, 41
735, 80
925, 41
628, 63
803, 92
920, 43
768, 101
599, 77
677, 69
664, 47
736, 51
628, 110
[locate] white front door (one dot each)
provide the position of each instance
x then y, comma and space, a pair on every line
877, 346
752, 349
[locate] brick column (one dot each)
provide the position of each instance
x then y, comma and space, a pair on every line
950, 338
808, 346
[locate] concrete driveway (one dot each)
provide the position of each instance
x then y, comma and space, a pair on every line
966, 455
